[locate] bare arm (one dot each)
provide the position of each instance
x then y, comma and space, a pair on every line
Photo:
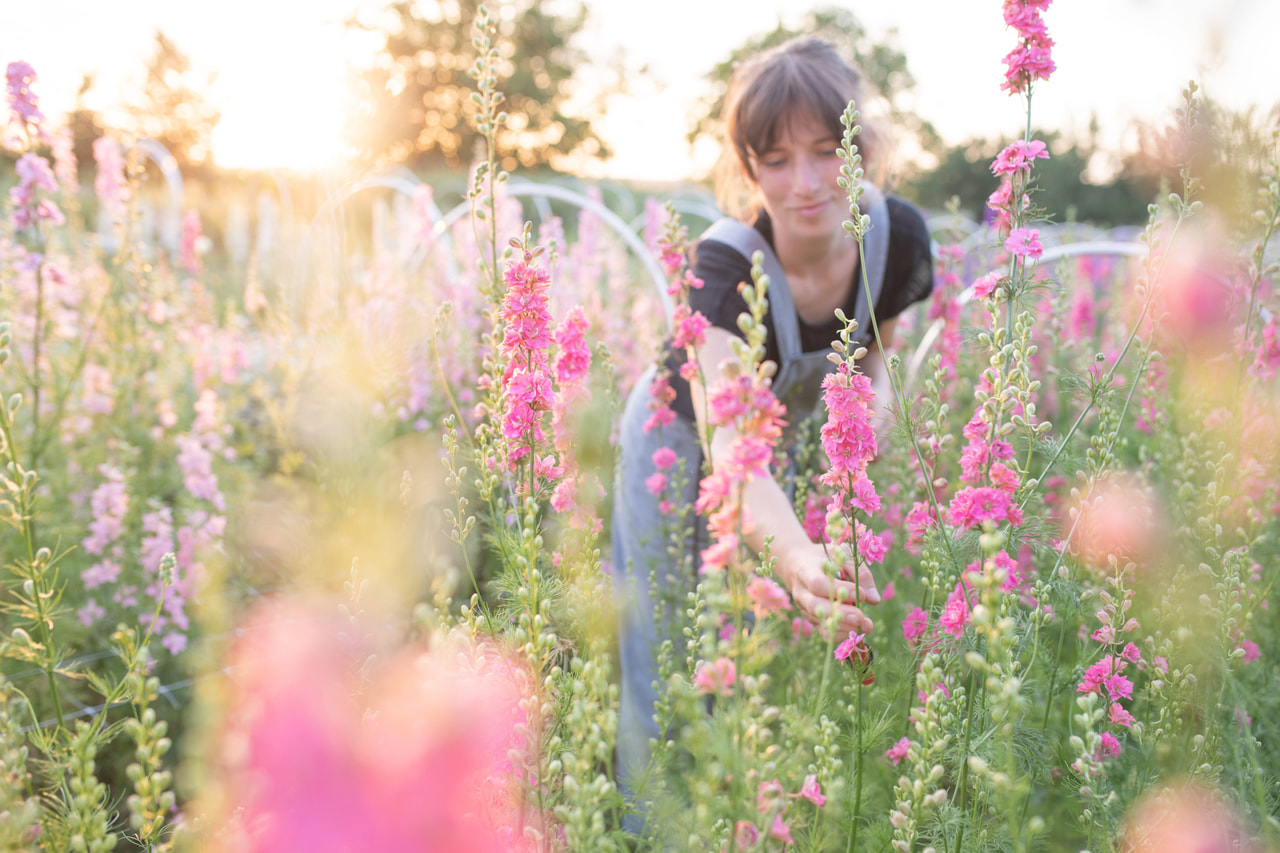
799, 560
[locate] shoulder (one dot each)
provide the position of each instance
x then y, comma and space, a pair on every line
719, 264
906, 223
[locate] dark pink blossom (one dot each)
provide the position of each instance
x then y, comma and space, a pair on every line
898, 751
956, 613
1018, 156
1025, 243
717, 677
915, 626
971, 507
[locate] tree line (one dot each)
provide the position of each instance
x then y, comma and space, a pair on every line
415, 108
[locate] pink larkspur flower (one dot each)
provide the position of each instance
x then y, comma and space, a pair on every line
1119, 687
811, 792
1018, 156
970, 507
23, 103
1119, 716
574, 358
898, 751
768, 795
985, 286
664, 458
1025, 243
780, 831
656, 483
1110, 747
955, 615
328, 751
717, 677
854, 651
767, 597
914, 626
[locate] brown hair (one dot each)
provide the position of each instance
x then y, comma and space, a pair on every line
805, 75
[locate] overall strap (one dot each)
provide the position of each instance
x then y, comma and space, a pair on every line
875, 245
746, 241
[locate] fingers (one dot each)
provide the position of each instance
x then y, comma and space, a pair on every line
866, 584
818, 608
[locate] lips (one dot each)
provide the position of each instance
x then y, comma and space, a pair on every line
813, 209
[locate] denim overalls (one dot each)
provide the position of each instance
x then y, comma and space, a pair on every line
640, 553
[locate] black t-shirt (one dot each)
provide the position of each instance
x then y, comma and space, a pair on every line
908, 278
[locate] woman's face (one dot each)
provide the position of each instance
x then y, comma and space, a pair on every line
797, 181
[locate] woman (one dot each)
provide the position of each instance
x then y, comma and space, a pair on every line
782, 122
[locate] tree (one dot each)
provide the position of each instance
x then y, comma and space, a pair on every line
964, 171
416, 105
173, 109
85, 124
884, 66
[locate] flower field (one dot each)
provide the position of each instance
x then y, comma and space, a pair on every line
307, 542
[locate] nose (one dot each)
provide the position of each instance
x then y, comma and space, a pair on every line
808, 176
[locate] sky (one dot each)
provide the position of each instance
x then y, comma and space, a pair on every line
280, 67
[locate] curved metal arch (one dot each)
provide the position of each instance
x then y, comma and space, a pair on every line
1113, 248
171, 234
580, 201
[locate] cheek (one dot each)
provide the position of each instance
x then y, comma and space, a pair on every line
774, 183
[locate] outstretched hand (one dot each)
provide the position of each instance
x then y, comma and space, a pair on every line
815, 593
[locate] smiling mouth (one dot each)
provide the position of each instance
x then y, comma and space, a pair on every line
810, 209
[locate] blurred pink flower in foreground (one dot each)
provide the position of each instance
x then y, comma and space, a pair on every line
1184, 818
326, 749
1120, 518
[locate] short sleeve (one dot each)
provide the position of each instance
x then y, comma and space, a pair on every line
721, 270
908, 274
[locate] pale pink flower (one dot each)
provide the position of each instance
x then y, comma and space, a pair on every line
898, 751
971, 507
1018, 156
717, 556
1119, 716
191, 241
914, 626
746, 836
573, 360
955, 615
871, 546
780, 831
100, 573
662, 395
919, 519
1251, 651
23, 103
656, 483
986, 285
197, 470
328, 747
716, 678
90, 613
664, 458
690, 327
1025, 243
801, 628
811, 791
767, 597
768, 795
110, 184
